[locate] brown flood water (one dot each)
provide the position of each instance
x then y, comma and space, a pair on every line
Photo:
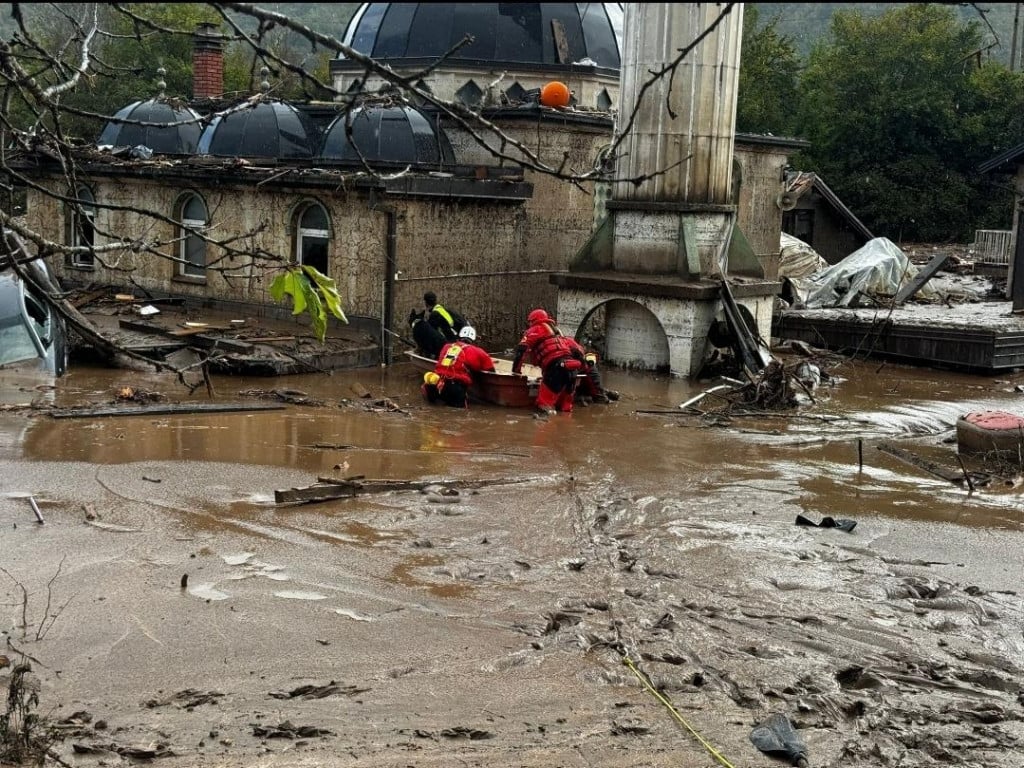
657, 533
809, 457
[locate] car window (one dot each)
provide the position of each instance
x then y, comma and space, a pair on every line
15, 342
39, 314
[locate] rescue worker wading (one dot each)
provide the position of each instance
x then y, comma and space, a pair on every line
456, 366
559, 357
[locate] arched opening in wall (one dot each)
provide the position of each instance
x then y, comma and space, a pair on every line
80, 228
625, 334
193, 217
312, 236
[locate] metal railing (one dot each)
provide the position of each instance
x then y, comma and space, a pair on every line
992, 246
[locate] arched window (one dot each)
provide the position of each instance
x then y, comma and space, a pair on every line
312, 235
81, 228
191, 245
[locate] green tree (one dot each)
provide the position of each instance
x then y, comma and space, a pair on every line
897, 122
769, 68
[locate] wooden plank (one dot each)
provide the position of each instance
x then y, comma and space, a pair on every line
87, 298
203, 341
923, 277
930, 467
326, 488
153, 409
142, 327
196, 330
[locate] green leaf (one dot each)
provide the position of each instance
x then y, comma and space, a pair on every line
329, 290
299, 292
311, 292
278, 288
317, 313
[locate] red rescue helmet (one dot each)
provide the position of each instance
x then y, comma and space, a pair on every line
537, 316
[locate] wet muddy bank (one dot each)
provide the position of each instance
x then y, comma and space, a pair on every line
493, 629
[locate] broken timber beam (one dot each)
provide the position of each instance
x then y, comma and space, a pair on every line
157, 408
326, 488
923, 277
930, 467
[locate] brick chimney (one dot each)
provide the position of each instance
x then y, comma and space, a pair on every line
207, 62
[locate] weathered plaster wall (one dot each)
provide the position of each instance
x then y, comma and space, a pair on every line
555, 223
435, 239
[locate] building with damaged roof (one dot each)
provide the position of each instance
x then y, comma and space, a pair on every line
290, 180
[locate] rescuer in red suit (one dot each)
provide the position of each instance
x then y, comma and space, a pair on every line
560, 358
452, 376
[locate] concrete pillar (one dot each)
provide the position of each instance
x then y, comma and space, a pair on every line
685, 122
680, 132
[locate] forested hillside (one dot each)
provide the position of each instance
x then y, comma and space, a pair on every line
901, 102
807, 23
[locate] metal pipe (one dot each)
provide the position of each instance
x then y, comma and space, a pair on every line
390, 274
35, 508
503, 273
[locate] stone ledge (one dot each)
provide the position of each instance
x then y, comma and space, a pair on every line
664, 286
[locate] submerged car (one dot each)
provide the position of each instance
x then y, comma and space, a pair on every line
32, 334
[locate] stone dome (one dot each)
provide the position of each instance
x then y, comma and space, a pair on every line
505, 33
396, 134
162, 138
271, 129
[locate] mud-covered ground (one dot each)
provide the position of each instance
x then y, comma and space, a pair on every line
173, 609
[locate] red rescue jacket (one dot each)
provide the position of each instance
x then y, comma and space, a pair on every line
545, 346
459, 360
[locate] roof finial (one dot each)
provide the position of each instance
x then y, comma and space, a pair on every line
265, 84
161, 84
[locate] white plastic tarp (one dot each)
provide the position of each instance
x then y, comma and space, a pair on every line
879, 268
797, 258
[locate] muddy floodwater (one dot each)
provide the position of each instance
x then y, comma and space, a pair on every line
175, 612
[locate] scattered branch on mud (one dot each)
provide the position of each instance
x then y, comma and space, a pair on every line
48, 619
774, 390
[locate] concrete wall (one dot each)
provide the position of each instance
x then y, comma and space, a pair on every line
759, 216
435, 238
652, 332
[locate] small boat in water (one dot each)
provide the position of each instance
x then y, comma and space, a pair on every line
502, 387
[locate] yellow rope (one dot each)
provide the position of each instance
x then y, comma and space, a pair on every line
675, 713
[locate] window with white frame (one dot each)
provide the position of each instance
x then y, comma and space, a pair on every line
81, 228
191, 245
312, 235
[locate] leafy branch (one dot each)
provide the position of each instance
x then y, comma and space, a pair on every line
312, 292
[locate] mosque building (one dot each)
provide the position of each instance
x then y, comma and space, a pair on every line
384, 193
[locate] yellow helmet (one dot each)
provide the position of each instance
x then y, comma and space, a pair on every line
431, 378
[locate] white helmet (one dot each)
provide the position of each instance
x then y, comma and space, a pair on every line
468, 333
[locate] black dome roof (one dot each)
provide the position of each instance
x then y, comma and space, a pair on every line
387, 134
503, 32
269, 129
165, 139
